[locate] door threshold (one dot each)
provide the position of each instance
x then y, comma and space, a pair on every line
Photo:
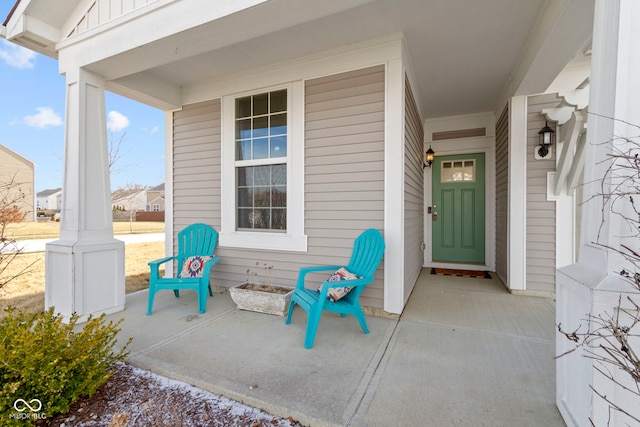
458, 266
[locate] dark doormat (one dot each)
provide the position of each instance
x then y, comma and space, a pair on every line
461, 273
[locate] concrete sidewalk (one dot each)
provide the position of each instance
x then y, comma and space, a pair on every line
464, 353
39, 245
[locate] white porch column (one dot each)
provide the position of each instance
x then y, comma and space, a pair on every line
592, 286
517, 228
394, 292
85, 267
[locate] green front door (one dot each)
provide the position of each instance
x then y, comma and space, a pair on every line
457, 212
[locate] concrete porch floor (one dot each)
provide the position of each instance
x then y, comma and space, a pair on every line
464, 352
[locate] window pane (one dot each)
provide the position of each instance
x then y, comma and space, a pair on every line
262, 197
243, 218
278, 101
279, 197
243, 150
245, 197
278, 219
262, 175
279, 124
278, 146
260, 126
259, 218
245, 177
469, 171
447, 172
243, 129
261, 104
243, 107
279, 175
261, 148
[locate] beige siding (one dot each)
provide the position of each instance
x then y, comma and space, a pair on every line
196, 165
344, 172
344, 166
502, 194
17, 181
541, 213
413, 192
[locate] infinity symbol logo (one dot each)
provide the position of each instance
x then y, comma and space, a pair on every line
22, 405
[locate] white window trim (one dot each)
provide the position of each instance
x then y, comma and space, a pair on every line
294, 239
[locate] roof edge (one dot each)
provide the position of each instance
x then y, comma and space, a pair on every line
13, 9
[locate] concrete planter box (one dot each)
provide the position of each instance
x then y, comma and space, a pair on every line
269, 299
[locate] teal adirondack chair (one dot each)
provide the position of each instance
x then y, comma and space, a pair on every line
194, 242
368, 249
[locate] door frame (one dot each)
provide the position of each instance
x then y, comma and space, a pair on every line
484, 145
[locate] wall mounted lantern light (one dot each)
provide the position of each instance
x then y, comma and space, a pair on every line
429, 156
546, 138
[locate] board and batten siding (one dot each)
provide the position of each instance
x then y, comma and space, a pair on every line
541, 213
413, 191
99, 12
502, 195
344, 179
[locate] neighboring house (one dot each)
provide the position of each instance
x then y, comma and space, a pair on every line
17, 177
130, 200
293, 125
155, 199
49, 199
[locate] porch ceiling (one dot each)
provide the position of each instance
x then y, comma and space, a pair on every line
463, 52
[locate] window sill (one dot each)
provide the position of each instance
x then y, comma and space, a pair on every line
264, 241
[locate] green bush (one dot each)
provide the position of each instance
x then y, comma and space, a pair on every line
42, 359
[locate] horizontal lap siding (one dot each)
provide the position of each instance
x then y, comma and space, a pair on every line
344, 172
197, 198
196, 165
344, 166
541, 213
413, 192
17, 175
502, 194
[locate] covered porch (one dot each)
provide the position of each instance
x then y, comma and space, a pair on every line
464, 352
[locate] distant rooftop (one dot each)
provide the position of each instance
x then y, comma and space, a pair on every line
45, 193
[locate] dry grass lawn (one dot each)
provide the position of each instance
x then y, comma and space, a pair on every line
27, 291
51, 230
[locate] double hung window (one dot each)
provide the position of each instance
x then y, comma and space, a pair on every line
261, 161
263, 169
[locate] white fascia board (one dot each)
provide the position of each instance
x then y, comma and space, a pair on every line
215, 25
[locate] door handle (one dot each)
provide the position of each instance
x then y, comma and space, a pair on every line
434, 216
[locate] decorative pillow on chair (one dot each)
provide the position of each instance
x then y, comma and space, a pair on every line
334, 294
192, 266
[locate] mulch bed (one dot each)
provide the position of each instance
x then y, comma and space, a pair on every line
133, 397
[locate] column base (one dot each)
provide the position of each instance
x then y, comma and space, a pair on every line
84, 278
582, 292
